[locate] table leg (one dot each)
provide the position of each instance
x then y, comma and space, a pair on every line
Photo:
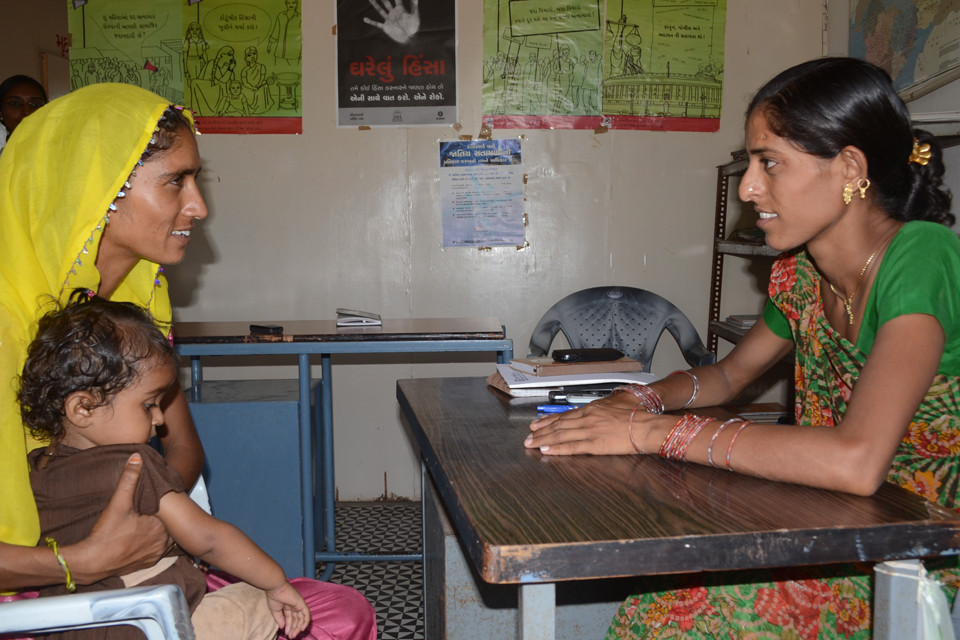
306, 466
329, 490
538, 611
895, 600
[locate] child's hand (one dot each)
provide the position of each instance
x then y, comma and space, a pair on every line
288, 609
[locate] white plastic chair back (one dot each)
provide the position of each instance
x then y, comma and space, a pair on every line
161, 612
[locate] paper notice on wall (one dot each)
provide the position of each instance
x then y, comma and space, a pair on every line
481, 193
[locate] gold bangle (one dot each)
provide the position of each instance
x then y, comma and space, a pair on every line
71, 585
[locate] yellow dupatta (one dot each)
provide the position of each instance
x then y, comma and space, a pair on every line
59, 173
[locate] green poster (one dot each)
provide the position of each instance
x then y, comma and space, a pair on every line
542, 57
664, 59
647, 64
122, 41
236, 65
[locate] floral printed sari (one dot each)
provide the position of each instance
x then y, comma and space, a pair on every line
809, 603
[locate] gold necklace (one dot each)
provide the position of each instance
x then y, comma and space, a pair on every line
848, 302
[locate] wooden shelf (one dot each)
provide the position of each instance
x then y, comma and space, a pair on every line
734, 334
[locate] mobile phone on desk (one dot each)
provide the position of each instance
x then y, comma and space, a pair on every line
584, 398
266, 329
586, 355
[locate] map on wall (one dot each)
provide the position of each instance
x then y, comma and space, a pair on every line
236, 65
623, 64
915, 41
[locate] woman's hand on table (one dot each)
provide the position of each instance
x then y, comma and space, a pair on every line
598, 428
122, 540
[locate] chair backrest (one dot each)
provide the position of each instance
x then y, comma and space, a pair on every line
624, 318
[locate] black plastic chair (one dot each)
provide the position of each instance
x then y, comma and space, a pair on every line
624, 318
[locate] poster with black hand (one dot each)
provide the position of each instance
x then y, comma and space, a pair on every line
396, 63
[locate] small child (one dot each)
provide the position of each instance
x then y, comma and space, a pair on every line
92, 385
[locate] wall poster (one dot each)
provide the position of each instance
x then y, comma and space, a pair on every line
236, 65
624, 64
481, 193
396, 63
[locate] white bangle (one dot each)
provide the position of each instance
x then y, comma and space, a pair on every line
696, 386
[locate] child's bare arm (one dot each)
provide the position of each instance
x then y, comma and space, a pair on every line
223, 545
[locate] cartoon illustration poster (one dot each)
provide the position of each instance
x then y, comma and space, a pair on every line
481, 193
236, 65
624, 64
396, 62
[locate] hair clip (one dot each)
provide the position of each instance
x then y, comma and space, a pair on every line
921, 153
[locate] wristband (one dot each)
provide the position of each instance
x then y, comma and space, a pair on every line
71, 585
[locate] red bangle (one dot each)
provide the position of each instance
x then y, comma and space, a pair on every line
734, 439
682, 435
647, 396
630, 428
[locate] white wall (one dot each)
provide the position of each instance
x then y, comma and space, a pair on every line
301, 225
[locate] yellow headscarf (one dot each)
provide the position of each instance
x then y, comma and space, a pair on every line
59, 173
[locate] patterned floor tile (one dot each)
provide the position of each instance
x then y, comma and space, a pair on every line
394, 588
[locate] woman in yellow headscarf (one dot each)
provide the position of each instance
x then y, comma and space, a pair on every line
97, 190
75, 213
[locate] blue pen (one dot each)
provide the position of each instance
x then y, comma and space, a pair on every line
554, 408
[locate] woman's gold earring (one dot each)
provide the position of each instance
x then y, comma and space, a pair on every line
848, 193
863, 184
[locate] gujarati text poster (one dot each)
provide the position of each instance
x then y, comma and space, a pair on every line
659, 64
236, 65
396, 63
542, 63
481, 193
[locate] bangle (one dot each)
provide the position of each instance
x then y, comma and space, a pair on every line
682, 435
71, 585
647, 396
630, 428
696, 386
734, 439
714, 439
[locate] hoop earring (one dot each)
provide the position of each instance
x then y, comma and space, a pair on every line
863, 187
848, 193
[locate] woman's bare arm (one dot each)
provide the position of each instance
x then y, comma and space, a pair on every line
600, 428
854, 456
181, 444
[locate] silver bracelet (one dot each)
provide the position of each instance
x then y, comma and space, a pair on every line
696, 386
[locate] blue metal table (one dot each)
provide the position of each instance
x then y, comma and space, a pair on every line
324, 338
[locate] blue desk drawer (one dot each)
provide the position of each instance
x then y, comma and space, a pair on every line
254, 464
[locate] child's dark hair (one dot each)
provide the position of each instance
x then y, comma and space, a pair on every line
91, 344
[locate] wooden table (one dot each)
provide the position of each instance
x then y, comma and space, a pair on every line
323, 337
535, 520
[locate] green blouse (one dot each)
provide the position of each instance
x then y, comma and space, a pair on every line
920, 273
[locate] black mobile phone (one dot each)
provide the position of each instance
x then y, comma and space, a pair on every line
269, 329
586, 355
